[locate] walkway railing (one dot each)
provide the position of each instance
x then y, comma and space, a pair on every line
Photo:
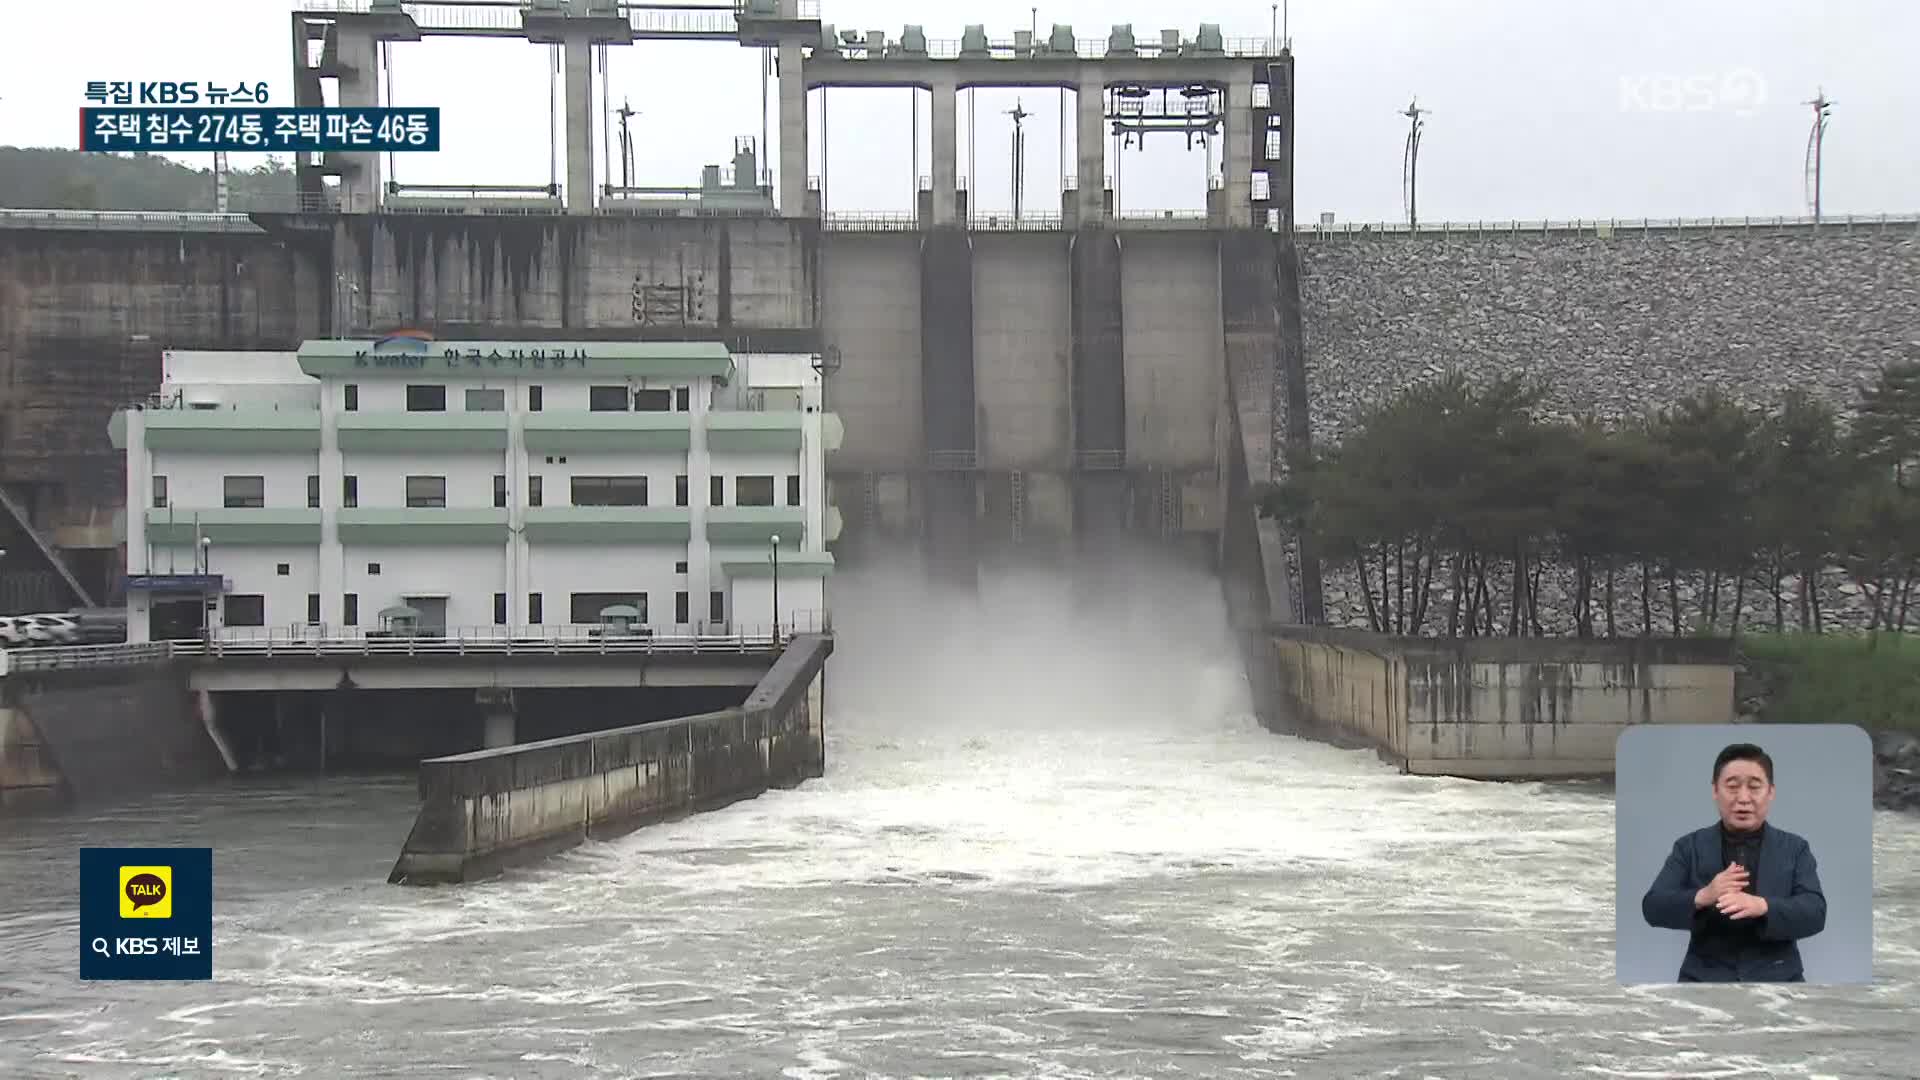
569, 640
464, 645
1620, 227
78, 657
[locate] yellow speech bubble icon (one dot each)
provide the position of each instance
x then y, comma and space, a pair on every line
146, 892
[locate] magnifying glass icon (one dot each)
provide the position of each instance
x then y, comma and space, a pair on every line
100, 946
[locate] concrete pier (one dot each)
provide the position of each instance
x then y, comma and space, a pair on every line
486, 811
947, 402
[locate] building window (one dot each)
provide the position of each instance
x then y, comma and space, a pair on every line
753, 491
351, 616
352, 398
486, 401
536, 491
427, 492
499, 609
284, 570
499, 491
313, 493
246, 611
680, 609
653, 401
793, 491
680, 491
609, 491
533, 399
349, 491
313, 608
536, 604
608, 399
682, 399
245, 492
588, 606
373, 569
717, 491
159, 493
680, 568
717, 607
427, 398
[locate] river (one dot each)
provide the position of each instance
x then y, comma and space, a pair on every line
1047, 845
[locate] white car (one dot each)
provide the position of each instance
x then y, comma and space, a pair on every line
51, 629
12, 634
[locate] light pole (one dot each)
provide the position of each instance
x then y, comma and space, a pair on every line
776, 590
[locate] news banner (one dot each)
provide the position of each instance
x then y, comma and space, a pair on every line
184, 117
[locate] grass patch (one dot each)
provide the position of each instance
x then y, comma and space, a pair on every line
1869, 680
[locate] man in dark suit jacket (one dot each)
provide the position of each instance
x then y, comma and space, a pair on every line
1746, 891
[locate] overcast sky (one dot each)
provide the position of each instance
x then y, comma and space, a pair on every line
1624, 108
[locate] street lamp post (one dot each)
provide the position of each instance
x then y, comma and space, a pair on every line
776, 590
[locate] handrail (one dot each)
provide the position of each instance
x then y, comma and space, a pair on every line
1844, 223
611, 645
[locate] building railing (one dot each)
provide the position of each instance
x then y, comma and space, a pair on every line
567, 640
76, 657
127, 220
1842, 223
716, 18
462, 643
1083, 48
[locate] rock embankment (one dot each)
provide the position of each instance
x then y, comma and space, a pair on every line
1896, 771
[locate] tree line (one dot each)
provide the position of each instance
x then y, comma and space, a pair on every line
1449, 505
56, 179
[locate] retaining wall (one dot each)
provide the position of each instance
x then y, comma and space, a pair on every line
1497, 708
100, 735
485, 811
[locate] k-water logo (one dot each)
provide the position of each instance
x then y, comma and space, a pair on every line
146, 913
405, 341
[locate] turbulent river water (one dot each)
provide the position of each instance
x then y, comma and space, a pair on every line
1047, 845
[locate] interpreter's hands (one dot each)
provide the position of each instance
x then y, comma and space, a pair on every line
1731, 880
1740, 905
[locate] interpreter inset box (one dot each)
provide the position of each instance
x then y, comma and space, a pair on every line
1743, 853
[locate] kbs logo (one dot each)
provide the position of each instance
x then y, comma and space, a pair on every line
146, 892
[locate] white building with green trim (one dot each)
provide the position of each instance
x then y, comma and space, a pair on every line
491, 487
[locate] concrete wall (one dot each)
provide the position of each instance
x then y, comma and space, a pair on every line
1021, 350
483, 812
870, 294
1496, 709
100, 735
83, 319
1170, 309
500, 276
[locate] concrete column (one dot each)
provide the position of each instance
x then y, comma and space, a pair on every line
500, 728
700, 577
1239, 141
793, 132
1091, 146
359, 51
517, 581
577, 72
813, 457
139, 498
946, 149
209, 709
332, 588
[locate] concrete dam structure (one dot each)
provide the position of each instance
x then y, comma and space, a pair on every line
1007, 385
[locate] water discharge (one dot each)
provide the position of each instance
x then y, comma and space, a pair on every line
1051, 842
